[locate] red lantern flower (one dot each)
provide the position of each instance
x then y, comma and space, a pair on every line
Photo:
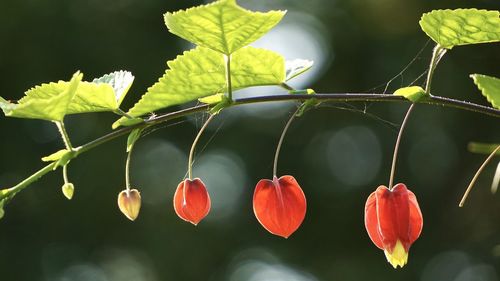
279, 205
191, 200
393, 221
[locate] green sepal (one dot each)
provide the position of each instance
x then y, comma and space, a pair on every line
412, 93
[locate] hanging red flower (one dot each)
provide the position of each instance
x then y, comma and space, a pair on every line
393, 221
191, 200
279, 205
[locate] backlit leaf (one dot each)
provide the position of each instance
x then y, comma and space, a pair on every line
222, 26
48, 101
200, 73
490, 87
451, 28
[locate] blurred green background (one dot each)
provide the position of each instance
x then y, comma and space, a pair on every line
338, 156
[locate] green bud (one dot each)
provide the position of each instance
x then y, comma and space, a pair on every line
68, 190
129, 202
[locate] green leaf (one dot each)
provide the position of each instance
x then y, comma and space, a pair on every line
451, 28
412, 93
213, 99
483, 148
121, 81
222, 26
132, 138
490, 87
296, 67
200, 73
102, 94
47, 102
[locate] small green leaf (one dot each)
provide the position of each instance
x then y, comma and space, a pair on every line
490, 87
120, 81
55, 156
47, 102
222, 26
200, 73
412, 93
102, 94
296, 67
483, 148
213, 99
125, 121
451, 28
132, 138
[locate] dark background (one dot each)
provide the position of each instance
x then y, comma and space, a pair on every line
339, 157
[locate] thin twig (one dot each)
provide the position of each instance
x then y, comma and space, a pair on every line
471, 184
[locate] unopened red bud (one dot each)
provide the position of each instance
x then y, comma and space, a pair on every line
68, 189
129, 202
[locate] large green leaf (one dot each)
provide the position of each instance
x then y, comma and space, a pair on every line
489, 86
102, 94
451, 28
48, 101
201, 72
222, 26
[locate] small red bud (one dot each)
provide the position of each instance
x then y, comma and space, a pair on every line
393, 221
129, 202
279, 205
191, 200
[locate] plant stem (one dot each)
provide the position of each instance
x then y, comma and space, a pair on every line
473, 181
333, 97
437, 54
65, 174
280, 142
396, 146
228, 78
64, 134
191, 152
127, 168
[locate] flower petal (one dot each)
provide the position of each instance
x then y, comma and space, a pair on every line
279, 205
191, 200
371, 221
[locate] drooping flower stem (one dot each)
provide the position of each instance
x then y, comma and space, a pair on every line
396, 146
127, 168
437, 53
280, 142
474, 179
191, 152
65, 174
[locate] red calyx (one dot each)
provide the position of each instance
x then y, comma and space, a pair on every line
191, 200
392, 216
279, 205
